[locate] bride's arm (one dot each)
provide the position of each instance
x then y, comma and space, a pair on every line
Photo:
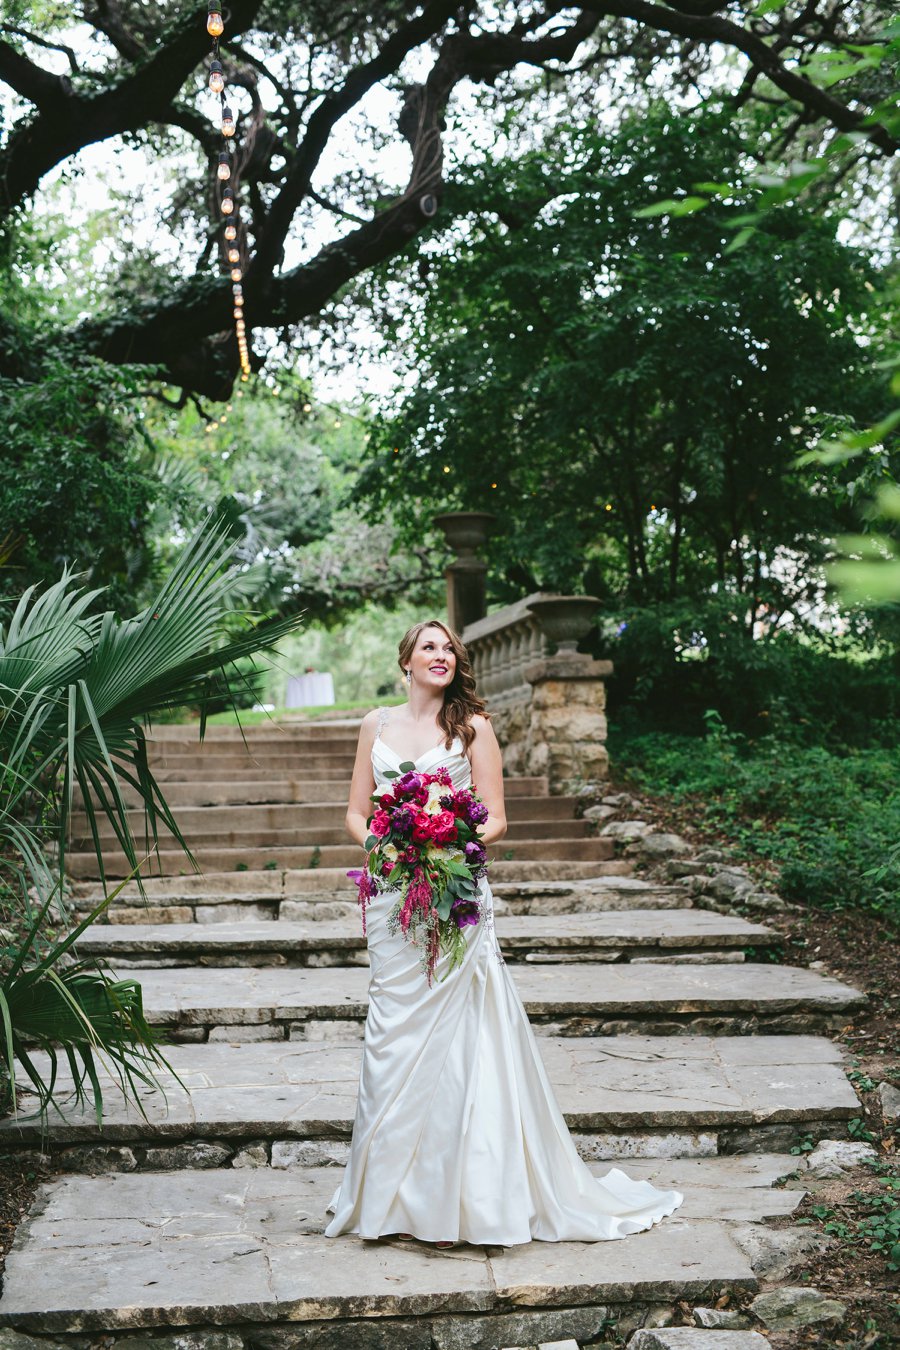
487, 778
362, 784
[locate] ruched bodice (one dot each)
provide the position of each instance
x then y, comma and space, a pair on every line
454, 760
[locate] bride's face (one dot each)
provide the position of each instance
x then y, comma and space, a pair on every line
433, 663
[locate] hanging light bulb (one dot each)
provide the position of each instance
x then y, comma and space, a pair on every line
223, 172
230, 231
216, 77
227, 122
236, 313
214, 25
234, 255
236, 274
227, 202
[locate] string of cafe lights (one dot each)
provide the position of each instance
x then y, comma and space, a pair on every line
215, 26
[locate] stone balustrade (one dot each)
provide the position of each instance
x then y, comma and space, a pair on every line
547, 709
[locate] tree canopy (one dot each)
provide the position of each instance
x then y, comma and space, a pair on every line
114, 69
627, 390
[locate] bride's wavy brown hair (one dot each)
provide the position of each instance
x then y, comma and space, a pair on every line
460, 699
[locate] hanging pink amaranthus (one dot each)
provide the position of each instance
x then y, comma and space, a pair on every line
365, 890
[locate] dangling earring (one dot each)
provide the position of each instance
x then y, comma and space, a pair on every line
409, 677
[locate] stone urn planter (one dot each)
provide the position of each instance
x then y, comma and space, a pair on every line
465, 531
565, 619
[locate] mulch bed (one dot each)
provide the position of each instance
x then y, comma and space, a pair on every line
19, 1180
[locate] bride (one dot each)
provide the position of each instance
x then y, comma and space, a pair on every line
457, 1135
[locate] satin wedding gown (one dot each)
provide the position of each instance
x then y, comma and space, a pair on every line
457, 1132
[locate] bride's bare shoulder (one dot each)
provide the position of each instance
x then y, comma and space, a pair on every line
482, 726
368, 726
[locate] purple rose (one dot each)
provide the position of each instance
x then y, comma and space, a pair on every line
475, 852
465, 912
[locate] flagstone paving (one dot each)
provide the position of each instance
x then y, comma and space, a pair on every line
236, 1247
604, 936
202, 1223
633, 1085
574, 998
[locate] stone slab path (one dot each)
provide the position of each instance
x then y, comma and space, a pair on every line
201, 1222
630, 1084
191, 996
226, 1246
617, 933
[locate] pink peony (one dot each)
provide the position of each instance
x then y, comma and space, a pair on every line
381, 824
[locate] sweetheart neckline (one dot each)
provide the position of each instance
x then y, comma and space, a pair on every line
439, 746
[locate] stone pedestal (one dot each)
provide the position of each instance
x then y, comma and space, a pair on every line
465, 532
566, 736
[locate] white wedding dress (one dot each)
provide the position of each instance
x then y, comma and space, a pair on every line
457, 1132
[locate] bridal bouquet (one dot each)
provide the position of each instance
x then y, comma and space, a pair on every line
423, 842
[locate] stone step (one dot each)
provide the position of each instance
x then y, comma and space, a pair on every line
628, 1096
187, 768
263, 1003
335, 743
227, 897
170, 862
224, 819
299, 729
248, 835
206, 1250
260, 787
589, 937
326, 893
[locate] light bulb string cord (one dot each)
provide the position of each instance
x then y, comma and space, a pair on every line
227, 199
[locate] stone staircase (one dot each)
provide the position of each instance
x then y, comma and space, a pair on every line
197, 1220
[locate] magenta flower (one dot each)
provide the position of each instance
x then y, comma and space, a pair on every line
381, 824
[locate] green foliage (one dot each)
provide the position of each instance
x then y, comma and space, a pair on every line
76, 688
825, 818
77, 479
868, 1218
625, 390
282, 469
817, 689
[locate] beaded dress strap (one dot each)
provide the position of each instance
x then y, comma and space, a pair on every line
382, 718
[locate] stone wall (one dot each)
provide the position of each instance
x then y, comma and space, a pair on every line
548, 711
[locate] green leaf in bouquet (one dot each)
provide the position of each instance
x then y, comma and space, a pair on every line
371, 842
457, 868
391, 773
444, 905
408, 766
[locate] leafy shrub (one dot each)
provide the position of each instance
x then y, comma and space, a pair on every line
674, 661
828, 818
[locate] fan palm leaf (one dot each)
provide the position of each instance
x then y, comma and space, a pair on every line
77, 689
